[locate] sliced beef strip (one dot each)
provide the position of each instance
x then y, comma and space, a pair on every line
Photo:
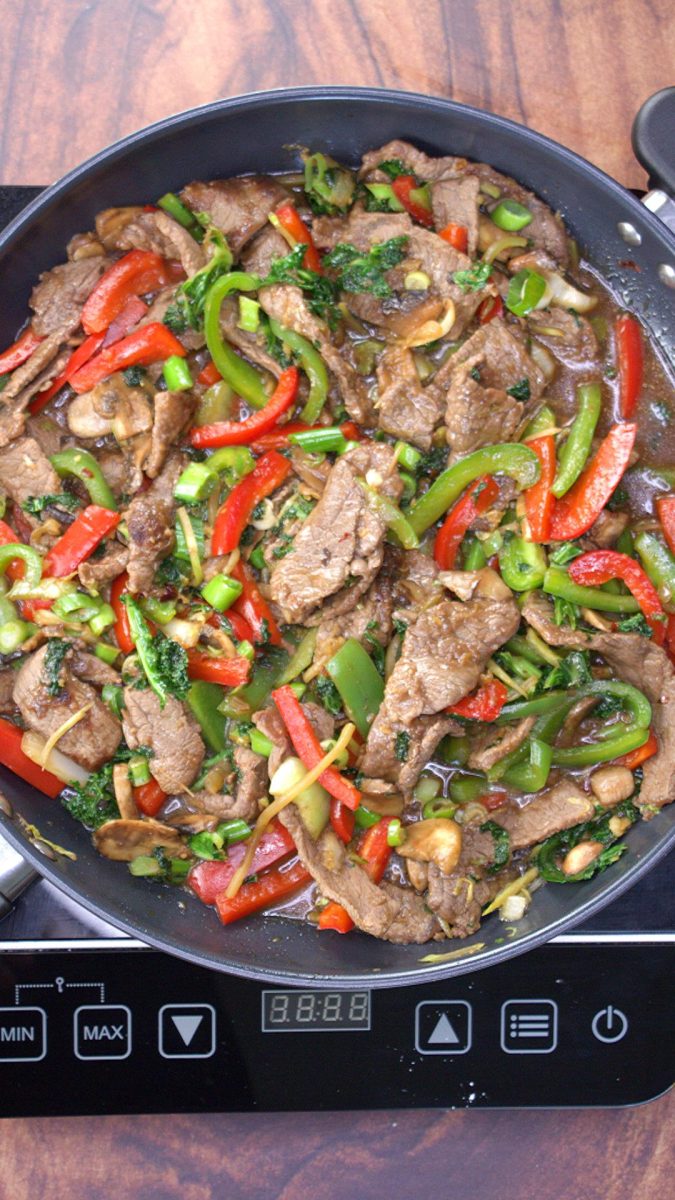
538, 612
58, 298
17, 393
25, 471
387, 911
480, 411
238, 207
456, 200
96, 736
417, 162
371, 615
545, 229
460, 899
638, 661
173, 413
49, 436
405, 408
574, 343
157, 231
286, 304
44, 356
259, 255
150, 519
250, 344
96, 573
251, 785
170, 732
559, 807
7, 681
270, 723
487, 749
361, 229
90, 668
380, 760
122, 475
606, 529
341, 539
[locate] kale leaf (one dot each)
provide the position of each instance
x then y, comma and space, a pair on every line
35, 505
550, 852
502, 843
328, 695
636, 624
520, 390
474, 278
365, 272
393, 167
52, 663
402, 745
320, 291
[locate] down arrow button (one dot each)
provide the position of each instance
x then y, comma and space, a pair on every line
187, 1031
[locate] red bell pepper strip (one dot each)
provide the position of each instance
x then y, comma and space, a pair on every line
599, 566
539, 499
19, 352
277, 438
138, 272
134, 310
635, 758
493, 800
234, 515
15, 570
456, 236
13, 757
209, 374
78, 358
240, 626
342, 820
584, 502
149, 798
489, 308
208, 879
146, 345
630, 361
485, 704
228, 672
402, 188
241, 433
374, 848
476, 500
293, 224
253, 607
82, 537
335, 917
273, 885
308, 748
665, 507
121, 627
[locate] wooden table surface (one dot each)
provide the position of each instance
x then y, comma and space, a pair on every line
75, 76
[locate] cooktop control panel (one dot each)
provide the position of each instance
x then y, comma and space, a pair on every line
118, 1030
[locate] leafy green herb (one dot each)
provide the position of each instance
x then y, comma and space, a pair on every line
134, 376
574, 670
636, 624
264, 634
475, 374
400, 626
502, 843
320, 291
607, 706
565, 612
35, 505
520, 390
402, 745
375, 647
329, 188
274, 345
564, 553
175, 319
474, 278
52, 663
434, 461
554, 849
188, 306
393, 167
172, 572
164, 662
93, 802
328, 695
359, 272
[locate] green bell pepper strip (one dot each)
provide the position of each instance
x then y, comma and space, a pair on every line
32, 571
454, 749
241, 376
392, 516
530, 708
558, 583
604, 751
312, 364
84, 467
659, 564
544, 422
203, 699
301, 658
522, 564
330, 440
465, 788
364, 817
532, 775
473, 554
577, 447
359, 683
509, 457
264, 677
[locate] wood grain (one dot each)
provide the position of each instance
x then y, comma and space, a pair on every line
75, 76
78, 74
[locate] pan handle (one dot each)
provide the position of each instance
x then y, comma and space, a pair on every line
15, 876
653, 138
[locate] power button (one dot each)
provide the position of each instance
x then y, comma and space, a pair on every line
610, 1024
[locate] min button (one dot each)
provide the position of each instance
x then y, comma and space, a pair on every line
23, 1034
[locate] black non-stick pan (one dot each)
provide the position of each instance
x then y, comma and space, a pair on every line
628, 243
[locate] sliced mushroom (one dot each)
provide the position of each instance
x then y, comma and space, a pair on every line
417, 874
124, 793
83, 419
126, 839
437, 840
111, 407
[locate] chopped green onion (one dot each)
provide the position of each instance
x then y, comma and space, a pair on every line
464, 788
328, 440
261, 744
13, 634
246, 650
176, 209
383, 193
182, 550
177, 374
511, 215
526, 290
301, 658
139, 771
364, 817
409, 486
407, 456
196, 483
249, 314
257, 558
221, 592
206, 845
144, 866
395, 833
233, 831
439, 807
159, 611
106, 653
113, 696
103, 619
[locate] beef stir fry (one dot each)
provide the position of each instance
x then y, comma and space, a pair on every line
337, 549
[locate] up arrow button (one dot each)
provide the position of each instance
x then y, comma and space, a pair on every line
187, 1031
443, 1027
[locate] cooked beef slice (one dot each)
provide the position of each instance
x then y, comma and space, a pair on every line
31, 377
270, 723
25, 471
58, 298
383, 755
172, 415
645, 665
405, 407
488, 749
559, 807
157, 231
417, 162
150, 519
371, 616
96, 736
479, 409
96, 573
7, 681
252, 345
286, 304
606, 529
238, 207
456, 201
546, 229
341, 544
460, 899
170, 732
33, 368
538, 612
387, 911
572, 342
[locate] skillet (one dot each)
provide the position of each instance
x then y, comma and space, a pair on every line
252, 133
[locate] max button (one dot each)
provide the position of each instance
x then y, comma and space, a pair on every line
102, 1031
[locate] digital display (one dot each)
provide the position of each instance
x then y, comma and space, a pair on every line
295, 1012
